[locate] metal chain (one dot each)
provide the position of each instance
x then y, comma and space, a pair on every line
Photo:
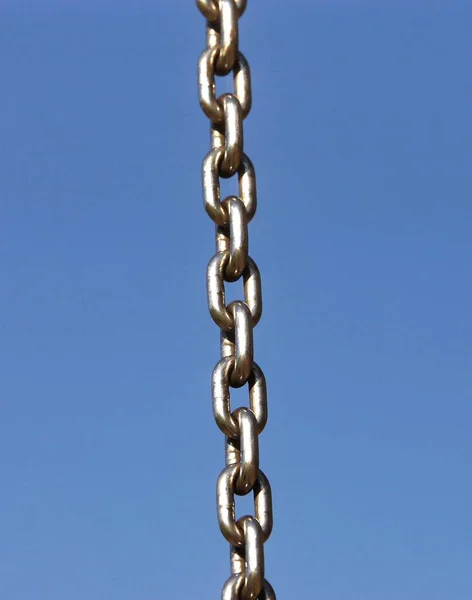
237, 320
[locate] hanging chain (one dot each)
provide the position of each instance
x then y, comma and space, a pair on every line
237, 320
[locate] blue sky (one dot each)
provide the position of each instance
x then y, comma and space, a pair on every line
360, 135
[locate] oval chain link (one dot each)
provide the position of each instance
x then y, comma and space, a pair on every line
236, 368
210, 104
211, 172
220, 385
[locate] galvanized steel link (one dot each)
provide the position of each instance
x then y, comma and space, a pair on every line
210, 104
233, 135
247, 564
254, 550
216, 271
225, 492
238, 237
242, 339
244, 451
228, 35
220, 384
211, 172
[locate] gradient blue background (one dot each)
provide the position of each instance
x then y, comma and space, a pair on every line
361, 138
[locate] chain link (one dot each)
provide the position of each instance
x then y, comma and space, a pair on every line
236, 368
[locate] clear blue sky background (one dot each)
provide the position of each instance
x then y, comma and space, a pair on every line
361, 138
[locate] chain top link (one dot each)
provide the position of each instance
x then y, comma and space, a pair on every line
236, 368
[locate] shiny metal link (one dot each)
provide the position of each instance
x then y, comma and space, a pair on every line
210, 104
225, 491
228, 37
238, 237
211, 10
236, 368
233, 137
220, 384
207, 86
243, 343
239, 344
216, 290
247, 564
244, 451
254, 572
211, 170
229, 136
